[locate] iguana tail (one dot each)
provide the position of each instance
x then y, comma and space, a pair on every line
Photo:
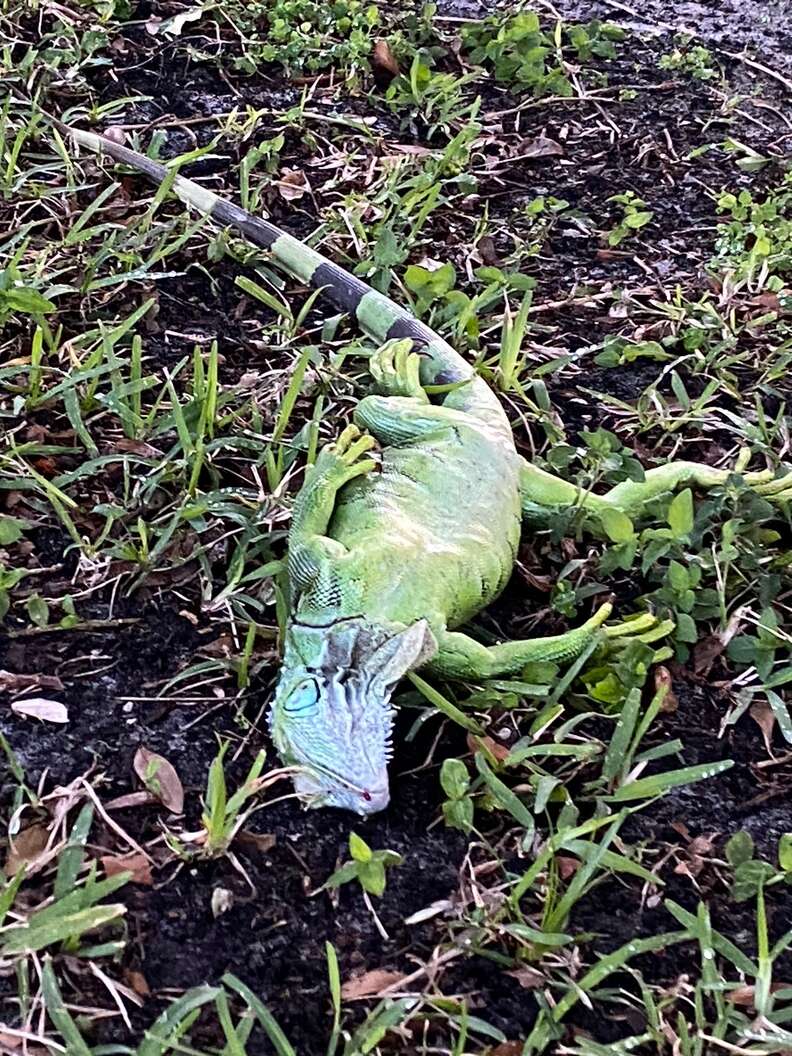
379, 316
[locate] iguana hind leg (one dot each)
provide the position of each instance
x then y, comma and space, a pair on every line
541, 492
459, 656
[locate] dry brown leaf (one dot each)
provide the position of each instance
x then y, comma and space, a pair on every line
566, 866
293, 184
541, 147
487, 251
383, 64
370, 984
528, 978
14, 682
137, 981
131, 799
508, 1048
160, 778
115, 134
762, 714
663, 681
25, 848
497, 751
263, 842
10, 1041
135, 863
710, 648
41, 708
135, 447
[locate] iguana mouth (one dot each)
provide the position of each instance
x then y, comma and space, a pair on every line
327, 785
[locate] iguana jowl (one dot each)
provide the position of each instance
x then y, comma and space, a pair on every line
387, 561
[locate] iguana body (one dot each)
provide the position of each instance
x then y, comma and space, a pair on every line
387, 560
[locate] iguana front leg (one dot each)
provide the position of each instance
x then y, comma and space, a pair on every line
336, 464
542, 492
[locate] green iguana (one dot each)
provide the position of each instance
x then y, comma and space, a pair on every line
388, 557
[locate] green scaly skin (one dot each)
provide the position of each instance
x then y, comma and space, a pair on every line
388, 557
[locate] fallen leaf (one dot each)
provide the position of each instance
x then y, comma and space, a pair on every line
497, 751
14, 682
744, 995
160, 778
135, 447
40, 708
769, 302
135, 863
48, 467
222, 901
137, 981
528, 978
487, 252
710, 648
263, 842
663, 681
508, 1048
115, 134
370, 984
10, 1041
566, 866
762, 714
25, 848
383, 64
541, 147
131, 799
293, 184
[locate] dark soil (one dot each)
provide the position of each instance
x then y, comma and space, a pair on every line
273, 936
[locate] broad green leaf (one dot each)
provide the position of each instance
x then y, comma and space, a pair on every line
358, 848
454, 778
739, 848
618, 526
680, 513
785, 852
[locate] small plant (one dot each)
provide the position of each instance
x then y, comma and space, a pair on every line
367, 867
757, 236
17, 298
692, 59
521, 54
306, 35
458, 808
751, 874
437, 99
635, 215
222, 817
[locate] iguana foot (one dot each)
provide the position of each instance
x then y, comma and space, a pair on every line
643, 627
396, 369
340, 461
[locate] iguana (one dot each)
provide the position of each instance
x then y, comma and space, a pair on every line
389, 556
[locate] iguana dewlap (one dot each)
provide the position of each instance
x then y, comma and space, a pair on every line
389, 556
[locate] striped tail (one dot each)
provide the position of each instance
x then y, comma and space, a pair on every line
379, 316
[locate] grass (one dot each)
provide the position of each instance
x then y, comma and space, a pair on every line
162, 390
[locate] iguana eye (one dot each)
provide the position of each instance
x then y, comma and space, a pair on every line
303, 699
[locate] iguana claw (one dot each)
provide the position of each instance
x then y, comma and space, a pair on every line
340, 461
396, 370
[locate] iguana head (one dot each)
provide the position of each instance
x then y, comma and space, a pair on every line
332, 714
